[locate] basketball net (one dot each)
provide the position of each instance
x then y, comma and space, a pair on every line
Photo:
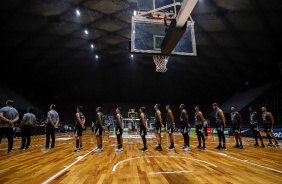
160, 62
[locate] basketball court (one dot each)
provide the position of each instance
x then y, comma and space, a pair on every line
249, 165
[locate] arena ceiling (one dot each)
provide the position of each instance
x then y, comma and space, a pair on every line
46, 53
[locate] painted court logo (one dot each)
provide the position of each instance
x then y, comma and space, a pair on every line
278, 134
135, 136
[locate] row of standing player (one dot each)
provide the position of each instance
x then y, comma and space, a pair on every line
143, 127
236, 120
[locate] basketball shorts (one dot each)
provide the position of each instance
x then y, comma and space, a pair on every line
170, 130
98, 130
255, 127
77, 130
199, 129
143, 131
158, 128
236, 128
184, 128
219, 127
267, 127
119, 130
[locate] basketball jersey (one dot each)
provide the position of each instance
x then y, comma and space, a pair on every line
253, 117
141, 123
156, 116
121, 119
81, 115
217, 117
197, 119
168, 120
182, 117
266, 118
97, 118
234, 118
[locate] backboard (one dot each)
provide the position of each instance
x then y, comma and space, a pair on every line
149, 29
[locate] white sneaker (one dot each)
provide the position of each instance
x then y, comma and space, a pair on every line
183, 147
116, 150
75, 150
45, 149
186, 148
171, 149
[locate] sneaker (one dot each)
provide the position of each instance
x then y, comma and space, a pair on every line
241, 147
198, 147
21, 149
262, 146
183, 147
144, 150
26, 148
97, 150
203, 148
117, 150
159, 148
270, 144
52, 149
171, 149
218, 147
186, 148
256, 144
75, 150
276, 143
9, 151
156, 148
223, 148
236, 146
45, 149
80, 148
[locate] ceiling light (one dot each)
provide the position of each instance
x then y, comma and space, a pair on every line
92, 46
86, 32
131, 56
77, 12
96, 57
134, 12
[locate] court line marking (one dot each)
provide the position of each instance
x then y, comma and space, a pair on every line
66, 168
246, 161
115, 166
172, 172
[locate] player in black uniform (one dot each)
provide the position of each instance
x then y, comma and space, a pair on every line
143, 128
236, 121
220, 123
170, 127
79, 125
184, 127
159, 124
99, 129
199, 122
268, 122
255, 126
119, 129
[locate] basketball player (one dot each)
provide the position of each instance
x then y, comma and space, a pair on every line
170, 127
26, 125
52, 124
199, 122
99, 129
159, 124
119, 129
220, 123
143, 128
184, 127
255, 126
236, 121
79, 125
268, 122
8, 116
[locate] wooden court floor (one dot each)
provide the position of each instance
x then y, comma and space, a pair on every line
249, 165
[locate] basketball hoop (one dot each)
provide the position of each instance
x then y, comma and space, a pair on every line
160, 62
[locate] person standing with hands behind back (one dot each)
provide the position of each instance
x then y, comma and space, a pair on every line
143, 128
26, 125
79, 125
8, 116
220, 123
52, 124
